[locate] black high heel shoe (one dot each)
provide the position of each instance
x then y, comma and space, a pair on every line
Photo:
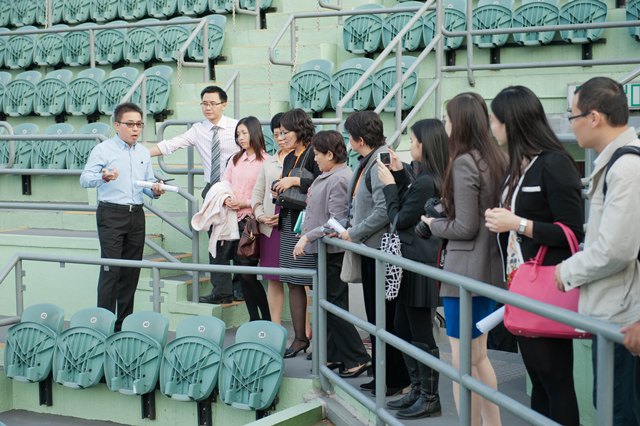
293, 351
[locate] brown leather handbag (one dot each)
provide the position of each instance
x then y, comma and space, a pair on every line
248, 245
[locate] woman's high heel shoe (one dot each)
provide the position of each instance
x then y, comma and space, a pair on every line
293, 350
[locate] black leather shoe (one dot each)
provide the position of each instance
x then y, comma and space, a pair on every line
216, 300
369, 385
355, 371
309, 356
238, 297
334, 365
294, 349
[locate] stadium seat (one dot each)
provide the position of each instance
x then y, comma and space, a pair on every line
310, 85
362, 34
79, 356
75, 49
5, 13
270, 144
83, 91
216, 25
5, 78
30, 343
51, 93
76, 11
158, 87
113, 89
23, 12
52, 154
492, 15
4, 149
394, 22
103, 11
455, 19
191, 362
170, 40
109, 44
251, 4
633, 14
140, 42
48, 49
132, 10
162, 8
57, 7
20, 92
192, 7
252, 368
3, 45
385, 78
582, 12
79, 150
221, 6
24, 148
535, 13
344, 79
18, 52
133, 355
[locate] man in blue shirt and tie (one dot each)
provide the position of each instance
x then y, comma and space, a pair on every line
113, 168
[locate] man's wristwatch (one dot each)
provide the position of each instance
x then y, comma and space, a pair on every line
522, 226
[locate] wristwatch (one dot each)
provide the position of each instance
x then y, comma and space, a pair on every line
522, 226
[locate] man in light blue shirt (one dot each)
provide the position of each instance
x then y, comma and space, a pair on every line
113, 168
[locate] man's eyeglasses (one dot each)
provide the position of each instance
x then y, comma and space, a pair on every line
573, 117
132, 125
284, 133
210, 104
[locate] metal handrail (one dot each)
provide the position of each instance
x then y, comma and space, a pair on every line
202, 26
256, 12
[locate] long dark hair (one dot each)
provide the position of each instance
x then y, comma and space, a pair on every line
435, 148
528, 130
256, 138
470, 130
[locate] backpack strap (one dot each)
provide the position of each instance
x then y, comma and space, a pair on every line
629, 149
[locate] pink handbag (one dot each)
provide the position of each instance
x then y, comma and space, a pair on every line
538, 282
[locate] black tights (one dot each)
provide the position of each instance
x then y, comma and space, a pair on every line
298, 308
254, 297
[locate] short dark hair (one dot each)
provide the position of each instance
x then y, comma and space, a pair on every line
123, 108
214, 89
275, 121
299, 122
330, 140
366, 125
606, 96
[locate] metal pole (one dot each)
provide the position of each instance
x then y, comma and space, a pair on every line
92, 49
465, 355
320, 318
205, 53
143, 104
605, 372
398, 112
19, 288
381, 356
155, 298
439, 53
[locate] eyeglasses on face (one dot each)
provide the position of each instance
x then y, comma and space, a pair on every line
210, 104
132, 125
573, 117
283, 133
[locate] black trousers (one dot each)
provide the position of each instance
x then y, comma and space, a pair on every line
414, 324
396, 372
343, 341
549, 363
121, 234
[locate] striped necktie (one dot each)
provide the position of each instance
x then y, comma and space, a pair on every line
214, 177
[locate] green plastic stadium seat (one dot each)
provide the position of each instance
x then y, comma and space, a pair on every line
109, 44
76, 11
455, 19
23, 12
633, 14
191, 362
51, 93
20, 92
24, 148
82, 93
5, 77
221, 6
192, 7
140, 42
113, 89
158, 87
104, 10
5, 13
52, 154
57, 7
3, 44
79, 356
362, 34
582, 12
18, 52
393, 23
310, 85
385, 78
270, 144
4, 149
48, 49
251, 4
492, 15
30, 343
79, 150
535, 13
75, 49
170, 40
132, 10
216, 25
162, 8
133, 355
252, 368
345, 78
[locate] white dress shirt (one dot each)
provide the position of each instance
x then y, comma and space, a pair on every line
200, 136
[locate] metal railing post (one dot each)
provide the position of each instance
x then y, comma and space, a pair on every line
605, 377
19, 287
320, 317
156, 297
380, 367
92, 49
465, 356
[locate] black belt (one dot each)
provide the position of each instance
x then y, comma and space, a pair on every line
131, 208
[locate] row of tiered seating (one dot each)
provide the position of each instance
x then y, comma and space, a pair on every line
112, 46
314, 87
248, 373
365, 34
20, 13
85, 95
